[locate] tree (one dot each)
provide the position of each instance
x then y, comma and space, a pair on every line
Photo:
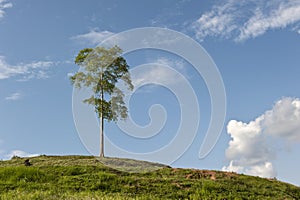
101, 69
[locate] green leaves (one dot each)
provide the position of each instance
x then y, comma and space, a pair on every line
100, 70
82, 56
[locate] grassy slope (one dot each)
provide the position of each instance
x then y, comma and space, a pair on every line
83, 177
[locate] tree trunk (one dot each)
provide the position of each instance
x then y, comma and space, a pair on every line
101, 136
101, 123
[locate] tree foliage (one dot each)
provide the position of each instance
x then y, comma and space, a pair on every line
101, 69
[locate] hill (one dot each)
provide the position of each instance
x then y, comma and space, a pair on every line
86, 177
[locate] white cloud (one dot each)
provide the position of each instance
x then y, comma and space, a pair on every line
286, 14
265, 169
242, 20
218, 22
36, 69
4, 4
20, 153
284, 120
93, 37
159, 74
248, 150
14, 97
251, 149
8, 155
174, 63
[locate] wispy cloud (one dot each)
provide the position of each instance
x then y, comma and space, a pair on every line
174, 63
4, 4
25, 71
159, 74
252, 148
14, 97
241, 19
170, 15
93, 37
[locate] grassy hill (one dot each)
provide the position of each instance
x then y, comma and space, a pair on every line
85, 177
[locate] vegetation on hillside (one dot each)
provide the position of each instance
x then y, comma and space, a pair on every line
85, 177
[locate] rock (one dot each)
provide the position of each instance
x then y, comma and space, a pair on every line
27, 162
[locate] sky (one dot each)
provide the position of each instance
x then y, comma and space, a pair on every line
253, 44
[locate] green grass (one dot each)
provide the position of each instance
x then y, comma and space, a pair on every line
85, 177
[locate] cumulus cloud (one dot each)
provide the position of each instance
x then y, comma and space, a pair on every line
93, 37
14, 97
248, 150
4, 4
242, 20
251, 149
26, 71
284, 120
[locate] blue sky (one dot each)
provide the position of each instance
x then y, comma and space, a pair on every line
254, 44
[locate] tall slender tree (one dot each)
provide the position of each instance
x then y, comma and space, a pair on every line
100, 69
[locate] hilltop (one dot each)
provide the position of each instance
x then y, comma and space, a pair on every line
86, 177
